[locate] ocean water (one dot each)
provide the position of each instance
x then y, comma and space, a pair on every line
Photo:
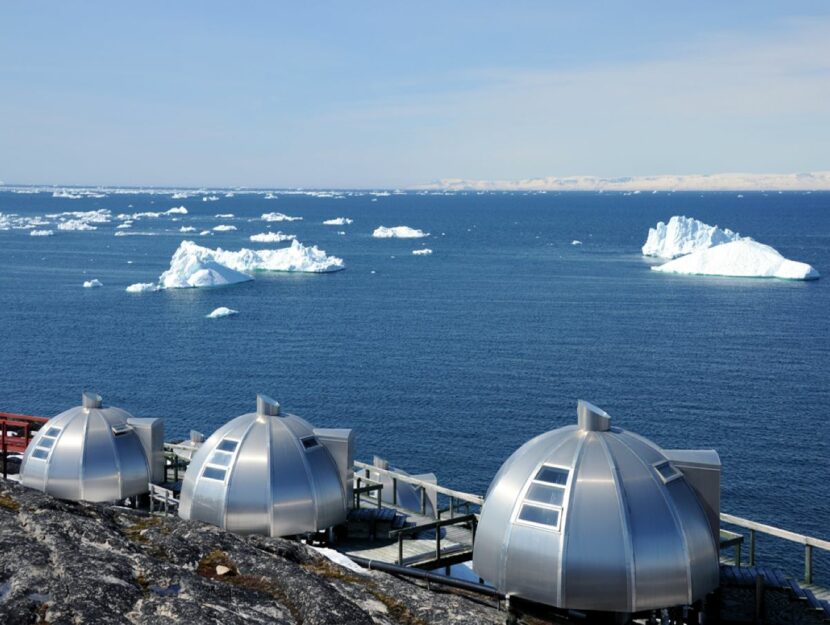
449, 362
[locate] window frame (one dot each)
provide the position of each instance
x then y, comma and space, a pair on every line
560, 509
676, 474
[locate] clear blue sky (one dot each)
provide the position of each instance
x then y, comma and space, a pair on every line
355, 94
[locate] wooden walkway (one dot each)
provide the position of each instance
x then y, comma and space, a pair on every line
420, 550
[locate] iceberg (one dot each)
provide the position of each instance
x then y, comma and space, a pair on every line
399, 232
224, 228
210, 198
92, 284
684, 235
193, 266
142, 287
187, 229
41, 233
76, 224
272, 237
222, 311
576, 242
422, 252
177, 210
279, 217
224, 215
743, 258
338, 221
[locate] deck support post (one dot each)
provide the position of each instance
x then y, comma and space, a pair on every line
400, 549
808, 564
751, 547
394, 491
738, 554
423, 501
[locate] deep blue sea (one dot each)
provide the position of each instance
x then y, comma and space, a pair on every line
449, 362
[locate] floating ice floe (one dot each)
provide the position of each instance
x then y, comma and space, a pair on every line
743, 258
124, 225
180, 195
222, 311
684, 235
272, 237
124, 233
338, 221
41, 233
576, 242
205, 233
398, 232
224, 228
92, 284
210, 198
279, 217
187, 229
422, 252
224, 215
142, 287
76, 224
177, 210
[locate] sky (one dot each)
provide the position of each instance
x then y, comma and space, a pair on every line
395, 94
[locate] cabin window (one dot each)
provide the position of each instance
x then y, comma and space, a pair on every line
666, 471
227, 445
120, 429
552, 475
309, 442
40, 453
53, 432
46, 442
220, 458
214, 473
542, 493
540, 515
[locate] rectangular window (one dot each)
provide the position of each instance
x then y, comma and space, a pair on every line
53, 432
46, 442
227, 445
552, 475
309, 442
542, 493
121, 429
220, 458
214, 474
41, 453
543, 516
666, 471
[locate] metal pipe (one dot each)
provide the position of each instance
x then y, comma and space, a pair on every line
427, 576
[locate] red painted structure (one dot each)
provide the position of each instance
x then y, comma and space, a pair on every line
16, 431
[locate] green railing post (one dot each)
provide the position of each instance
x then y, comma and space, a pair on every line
808, 564
751, 547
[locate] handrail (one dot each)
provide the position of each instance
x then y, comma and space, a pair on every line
417, 529
808, 541
402, 477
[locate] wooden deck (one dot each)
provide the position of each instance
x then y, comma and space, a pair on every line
419, 550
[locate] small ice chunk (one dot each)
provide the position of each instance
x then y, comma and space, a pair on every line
222, 311
224, 215
76, 224
398, 232
338, 221
743, 258
684, 235
177, 210
187, 229
576, 242
205, 233
92, 284
142, 287
279, 217
224, 228
422, 252
272, 237
41, 233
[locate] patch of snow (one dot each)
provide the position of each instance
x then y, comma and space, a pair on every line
684, 235
224, 228
338, 221
279, 217
422, 252
743, 258
41, 233
398, 232
92, 284
142, 287
222, 311
341, 559
272, 237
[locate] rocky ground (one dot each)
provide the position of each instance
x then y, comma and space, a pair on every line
63, 562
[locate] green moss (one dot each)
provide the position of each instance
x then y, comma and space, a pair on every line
399, 611
9, 503
134, 531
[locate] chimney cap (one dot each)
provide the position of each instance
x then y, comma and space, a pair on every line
91, 400
591, 418
267, 407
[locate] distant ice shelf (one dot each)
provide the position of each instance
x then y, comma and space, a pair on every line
743, 258
398, 232
684, 235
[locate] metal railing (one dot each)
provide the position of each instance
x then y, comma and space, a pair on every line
472, 519
16, 431
808, 541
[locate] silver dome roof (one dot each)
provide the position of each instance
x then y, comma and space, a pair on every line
265, 473
87, 453
592, 517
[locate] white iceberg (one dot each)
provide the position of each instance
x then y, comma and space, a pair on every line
76, 224
272, 237
193, 266
187, 229
124, 233
576, 242
743, 258
684, 235
41, 233
399, 232
126, 224
222, 311
338, 221
177, 210
210, 198
422, 252
224, 215
142, 287
224, 228
92, 284
279, 217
